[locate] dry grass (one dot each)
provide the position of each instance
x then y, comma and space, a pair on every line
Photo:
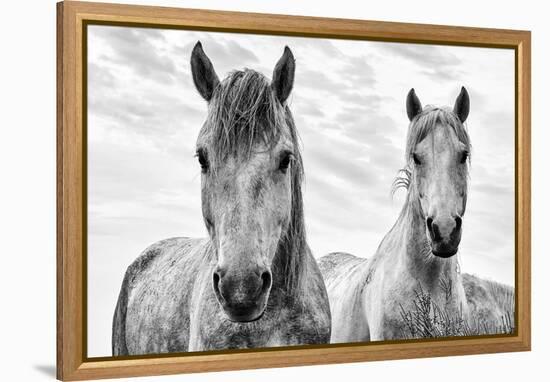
427, 319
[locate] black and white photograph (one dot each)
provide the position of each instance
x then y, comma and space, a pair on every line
253, 191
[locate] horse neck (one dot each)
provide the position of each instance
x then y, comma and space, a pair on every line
408, 236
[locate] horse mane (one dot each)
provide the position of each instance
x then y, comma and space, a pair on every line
243, 113
421, 126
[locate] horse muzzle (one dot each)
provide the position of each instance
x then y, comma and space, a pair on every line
242, 295
444, 235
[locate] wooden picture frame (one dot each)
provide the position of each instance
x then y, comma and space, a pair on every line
72, 21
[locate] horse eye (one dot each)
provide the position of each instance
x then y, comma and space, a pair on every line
416, 160
285, 162
464, 157
203, 159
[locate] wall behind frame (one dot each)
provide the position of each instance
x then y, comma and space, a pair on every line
27, 191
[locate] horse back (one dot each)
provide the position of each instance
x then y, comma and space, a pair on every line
345, 284
337, 264
152, 312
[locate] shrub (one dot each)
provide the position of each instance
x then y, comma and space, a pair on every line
426, 319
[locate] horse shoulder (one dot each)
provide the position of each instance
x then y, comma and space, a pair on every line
151, 292
133, 271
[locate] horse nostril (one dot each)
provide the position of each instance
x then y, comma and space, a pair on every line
458, 221
429, 222
433, 229
266, 281
216, 282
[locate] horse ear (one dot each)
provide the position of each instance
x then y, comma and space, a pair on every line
283, 76
204, 75
462, 105
414, 107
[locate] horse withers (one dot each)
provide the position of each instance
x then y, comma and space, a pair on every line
253, 281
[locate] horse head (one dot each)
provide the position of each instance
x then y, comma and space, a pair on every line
438, 152
251, 173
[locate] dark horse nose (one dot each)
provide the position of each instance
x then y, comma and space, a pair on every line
242, 294
435, 231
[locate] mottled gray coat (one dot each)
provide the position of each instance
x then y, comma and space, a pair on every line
253, 282
167, 304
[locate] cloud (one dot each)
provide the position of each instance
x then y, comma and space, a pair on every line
433, 61
353, 74
224, 53
126, 105
349, 166
134, 192
361, 123
373, 129
151, 116
491, 188
100, 77
499, 124
139, 50
359, 72
336, 162
305, 107
328, 210
441, 73
315, 80
371, 101
423, 55
315, 47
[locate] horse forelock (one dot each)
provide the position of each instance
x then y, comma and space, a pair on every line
420, 127
243, 114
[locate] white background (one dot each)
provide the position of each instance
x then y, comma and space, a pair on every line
27, 192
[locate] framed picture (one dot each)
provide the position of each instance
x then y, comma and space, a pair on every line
242, 190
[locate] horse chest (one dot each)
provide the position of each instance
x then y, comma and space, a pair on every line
278, 327
408, 297
299, 328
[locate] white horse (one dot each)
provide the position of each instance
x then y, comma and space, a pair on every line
368, 297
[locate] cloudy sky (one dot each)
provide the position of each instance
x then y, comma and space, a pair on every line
144, 116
